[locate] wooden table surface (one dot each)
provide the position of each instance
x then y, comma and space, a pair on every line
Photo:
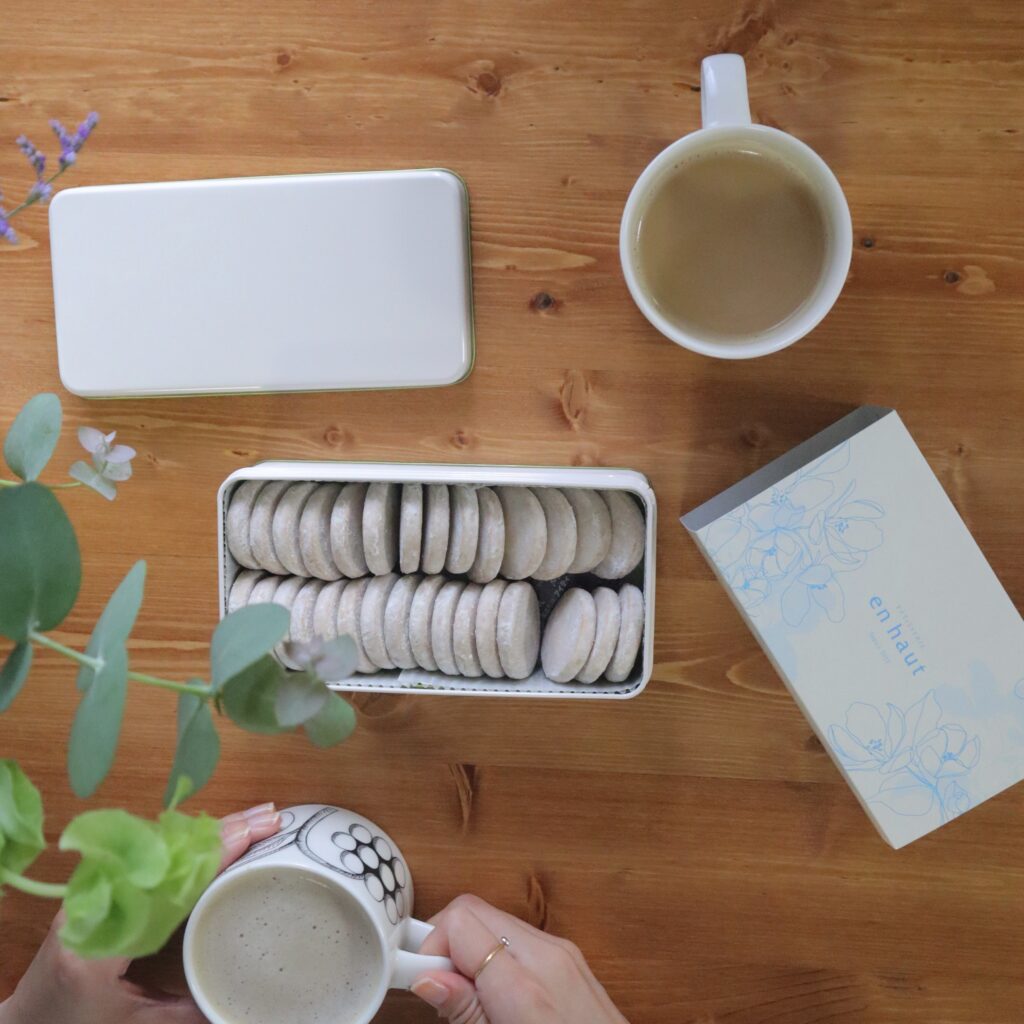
696, 842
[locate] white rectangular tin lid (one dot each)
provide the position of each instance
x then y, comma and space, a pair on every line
305, 282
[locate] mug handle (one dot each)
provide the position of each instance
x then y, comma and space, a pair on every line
723, 91
409, 965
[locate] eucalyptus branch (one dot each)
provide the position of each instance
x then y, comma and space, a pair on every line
53, 487
170, 684
48, 890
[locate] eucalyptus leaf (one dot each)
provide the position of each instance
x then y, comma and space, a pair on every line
14, 673
40, 566
248, 696
299, 697
198, 748
243, 638
21, 819
33, 436
111, 912
86, 474
97, 724
332, 724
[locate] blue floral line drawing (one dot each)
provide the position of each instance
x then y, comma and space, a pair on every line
787, 550
921, 762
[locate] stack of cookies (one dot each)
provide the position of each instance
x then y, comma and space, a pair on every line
430, 576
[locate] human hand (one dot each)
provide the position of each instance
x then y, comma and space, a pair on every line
60, 987
537, 979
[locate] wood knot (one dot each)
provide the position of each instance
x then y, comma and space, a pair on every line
336, 437
543, 301
464, 776
536, 904
284, 58
814, 745
488, 83
867, 242
951, 277
960, 449
575, 396
460, 439
754, 437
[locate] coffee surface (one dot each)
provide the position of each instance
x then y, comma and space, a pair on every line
275, 946
730, 244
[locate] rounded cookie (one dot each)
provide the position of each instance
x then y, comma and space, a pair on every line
490, 546
631, 631
380, 527
315, 532
285, 527
396, 621
410, 528
371, 619
285, 594
303, 608
420, 616
464, 632
561, 526
442, 624
606, 636
486, 629
518, 630
241, 588
436, 526
263, 591
465, 529
628, 536
347, 531
593, 527
350, 608
236, 522
526, 532
569, 635
261, 539
325, 612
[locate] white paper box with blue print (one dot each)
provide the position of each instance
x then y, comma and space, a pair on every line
879, 611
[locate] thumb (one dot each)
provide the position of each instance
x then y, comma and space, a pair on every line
453, 996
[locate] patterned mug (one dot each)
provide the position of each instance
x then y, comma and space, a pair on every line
346, 850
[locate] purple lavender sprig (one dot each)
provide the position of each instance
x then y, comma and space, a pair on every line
41, 190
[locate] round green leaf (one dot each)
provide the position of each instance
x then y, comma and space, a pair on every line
243, 637
299, 697
14, 673
21, 819
198, 748
33, 436
40, 567
86, 474
126, 845
97, 724
332, 724
248, 696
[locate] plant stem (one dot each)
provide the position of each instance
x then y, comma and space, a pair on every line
35, 197
97, 663
69, 652
53, 487
170, 684
49, 890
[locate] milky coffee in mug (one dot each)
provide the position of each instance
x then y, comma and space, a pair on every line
736, 239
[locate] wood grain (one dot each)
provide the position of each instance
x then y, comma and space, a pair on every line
695, 842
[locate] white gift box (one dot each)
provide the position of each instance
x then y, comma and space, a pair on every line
876, 606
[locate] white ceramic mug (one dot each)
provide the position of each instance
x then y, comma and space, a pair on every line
726, 124
345, 850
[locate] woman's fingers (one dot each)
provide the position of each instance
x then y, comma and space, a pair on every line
452, 995
239, 831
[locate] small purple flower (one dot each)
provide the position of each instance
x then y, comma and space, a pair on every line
33, 155
40, 192
72, 142
6, 231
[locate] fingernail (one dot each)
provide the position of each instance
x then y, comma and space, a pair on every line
259, 809
234, 831
265, 820
430, 991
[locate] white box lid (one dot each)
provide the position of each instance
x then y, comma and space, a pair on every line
306, 282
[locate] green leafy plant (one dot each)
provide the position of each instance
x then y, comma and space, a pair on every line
136, 880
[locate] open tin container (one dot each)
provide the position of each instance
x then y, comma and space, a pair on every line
418, 680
